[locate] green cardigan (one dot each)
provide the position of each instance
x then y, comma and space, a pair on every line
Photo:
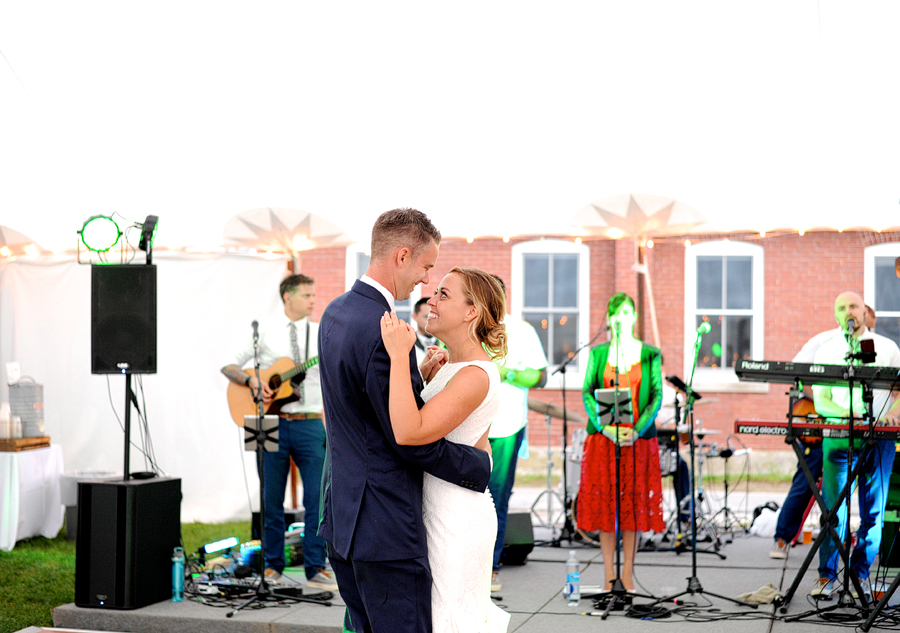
649, 398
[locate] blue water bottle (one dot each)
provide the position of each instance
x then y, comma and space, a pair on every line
178, 574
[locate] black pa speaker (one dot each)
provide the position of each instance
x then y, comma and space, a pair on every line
126, 533
519, 539
123, 319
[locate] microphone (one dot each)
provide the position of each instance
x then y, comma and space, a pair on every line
618, 326
851, 325
705, 328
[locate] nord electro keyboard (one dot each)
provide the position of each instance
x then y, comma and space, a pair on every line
830, 375
815, 429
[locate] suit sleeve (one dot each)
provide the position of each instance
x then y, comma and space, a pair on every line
591, 383
457, 464
654, 400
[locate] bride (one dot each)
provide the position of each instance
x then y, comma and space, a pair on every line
461, 400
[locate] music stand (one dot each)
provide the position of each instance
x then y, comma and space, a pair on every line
263, 430
614, 407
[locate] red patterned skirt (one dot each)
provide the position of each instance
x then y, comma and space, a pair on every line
640, 488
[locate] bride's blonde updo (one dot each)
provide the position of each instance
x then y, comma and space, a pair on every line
482, 290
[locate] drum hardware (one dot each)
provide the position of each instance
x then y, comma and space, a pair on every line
548, 492
568, 529
730, 520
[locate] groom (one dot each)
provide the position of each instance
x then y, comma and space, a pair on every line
372, 487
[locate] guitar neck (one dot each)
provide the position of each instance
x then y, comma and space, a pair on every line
290, 373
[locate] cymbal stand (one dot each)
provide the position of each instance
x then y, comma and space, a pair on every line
567, 532
730, 519
701, 514
549, 492
694, 586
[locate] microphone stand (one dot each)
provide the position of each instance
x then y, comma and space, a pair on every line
830, 520
568, 530
694, 586
617, 593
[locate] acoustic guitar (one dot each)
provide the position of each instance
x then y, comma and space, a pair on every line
278, 377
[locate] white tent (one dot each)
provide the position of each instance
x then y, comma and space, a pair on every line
204, 304
499, 118
494, 118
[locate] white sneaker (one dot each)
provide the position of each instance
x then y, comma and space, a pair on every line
823, 589
779, 550
496, 585
272, 577
324, 580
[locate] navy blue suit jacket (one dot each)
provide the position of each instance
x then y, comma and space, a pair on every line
372, 487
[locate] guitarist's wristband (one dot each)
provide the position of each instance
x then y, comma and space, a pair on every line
247, 382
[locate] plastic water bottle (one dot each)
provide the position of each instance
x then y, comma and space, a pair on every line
178, 574
572, 590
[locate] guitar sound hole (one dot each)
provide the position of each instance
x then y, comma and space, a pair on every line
274, 382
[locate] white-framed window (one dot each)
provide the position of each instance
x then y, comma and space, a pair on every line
550, 288
356, 265
882, 287
724, 286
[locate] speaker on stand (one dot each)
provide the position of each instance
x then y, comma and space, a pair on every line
123, 319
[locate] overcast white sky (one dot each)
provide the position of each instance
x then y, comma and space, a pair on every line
495, 118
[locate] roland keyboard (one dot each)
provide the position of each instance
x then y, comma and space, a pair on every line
811, 373
814, 429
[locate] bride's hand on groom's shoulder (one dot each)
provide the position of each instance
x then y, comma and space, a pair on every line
397, 335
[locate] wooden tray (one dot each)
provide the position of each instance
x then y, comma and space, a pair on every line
24, 443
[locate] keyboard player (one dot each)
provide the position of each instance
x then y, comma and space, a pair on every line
793, 509
874, 474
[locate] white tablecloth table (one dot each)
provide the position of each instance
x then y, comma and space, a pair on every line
30, 502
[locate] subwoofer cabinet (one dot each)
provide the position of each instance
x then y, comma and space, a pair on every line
126, 533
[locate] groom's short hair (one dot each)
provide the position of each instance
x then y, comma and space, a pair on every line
400, 228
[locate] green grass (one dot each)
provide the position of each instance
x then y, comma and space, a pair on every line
39, 574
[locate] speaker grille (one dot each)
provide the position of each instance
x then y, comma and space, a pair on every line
123, 319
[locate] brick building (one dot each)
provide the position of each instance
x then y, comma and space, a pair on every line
764, 296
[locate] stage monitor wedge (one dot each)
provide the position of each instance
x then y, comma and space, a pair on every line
123, 319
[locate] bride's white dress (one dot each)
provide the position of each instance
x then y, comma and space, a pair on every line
461, 526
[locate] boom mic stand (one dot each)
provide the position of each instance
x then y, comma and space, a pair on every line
568, 529
694, 586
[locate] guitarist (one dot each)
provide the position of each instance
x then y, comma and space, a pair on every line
301, 432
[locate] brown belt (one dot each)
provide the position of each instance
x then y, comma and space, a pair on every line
301, 416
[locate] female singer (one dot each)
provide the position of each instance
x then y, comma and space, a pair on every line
640, 483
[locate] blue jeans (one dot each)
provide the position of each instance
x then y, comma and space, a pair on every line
505, 453
873, 483
304, 440
798, 496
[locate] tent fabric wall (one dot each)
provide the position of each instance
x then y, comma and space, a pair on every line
205, 305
